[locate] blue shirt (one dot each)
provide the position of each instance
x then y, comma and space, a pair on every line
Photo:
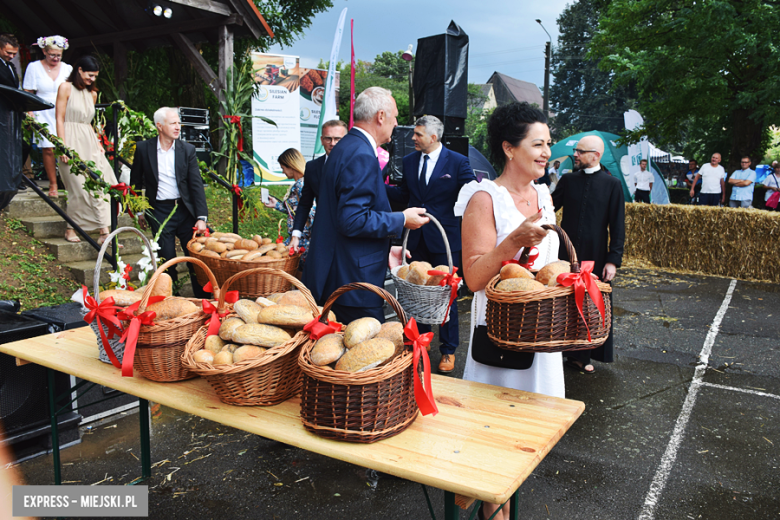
746, 192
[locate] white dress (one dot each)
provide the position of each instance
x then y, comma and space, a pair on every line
545, 376
35, 78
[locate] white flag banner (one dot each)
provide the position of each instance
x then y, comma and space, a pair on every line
329, 102
637, 152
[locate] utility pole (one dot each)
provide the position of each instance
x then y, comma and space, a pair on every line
547, 53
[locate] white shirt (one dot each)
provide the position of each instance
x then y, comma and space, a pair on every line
370, 139
643, 179
433, 157
167, 188
711, 177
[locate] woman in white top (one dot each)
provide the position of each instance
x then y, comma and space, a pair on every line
500, 218
43, 78
772, 184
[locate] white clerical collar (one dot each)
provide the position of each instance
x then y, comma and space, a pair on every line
592, 169
370, 139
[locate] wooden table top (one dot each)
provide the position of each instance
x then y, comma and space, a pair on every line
485, 441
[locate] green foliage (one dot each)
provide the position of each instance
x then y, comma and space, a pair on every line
773, 152
391, 65
706, 72
477, 118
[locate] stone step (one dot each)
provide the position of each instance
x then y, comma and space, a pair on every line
66, 252
29, 204
54, 227
84, 270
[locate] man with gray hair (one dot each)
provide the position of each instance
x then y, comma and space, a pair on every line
168, 169
433, 177
350, 239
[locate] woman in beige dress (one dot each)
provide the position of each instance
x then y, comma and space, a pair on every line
74, 112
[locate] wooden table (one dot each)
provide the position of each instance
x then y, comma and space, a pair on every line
485, 441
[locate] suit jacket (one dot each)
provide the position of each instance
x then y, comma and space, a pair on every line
311, 187
144, 174
8, 78
438, 198
350, 239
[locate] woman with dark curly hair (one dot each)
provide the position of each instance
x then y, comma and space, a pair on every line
500, 219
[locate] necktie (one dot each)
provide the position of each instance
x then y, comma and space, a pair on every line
424, 173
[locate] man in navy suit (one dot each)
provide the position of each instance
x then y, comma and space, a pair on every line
433, 177
350, 239
333, 131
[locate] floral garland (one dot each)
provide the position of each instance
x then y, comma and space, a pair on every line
53, 41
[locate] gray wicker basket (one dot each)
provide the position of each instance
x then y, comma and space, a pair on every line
114, 343
426, 304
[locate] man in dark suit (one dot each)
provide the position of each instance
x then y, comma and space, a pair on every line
168, 169
350, 239
9, 46
433, 177
333, 131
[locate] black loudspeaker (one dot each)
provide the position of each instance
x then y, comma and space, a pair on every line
441, 78
456, 143
401, 145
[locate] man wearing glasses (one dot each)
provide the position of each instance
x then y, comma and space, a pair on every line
332, 132
594, 219
743, 182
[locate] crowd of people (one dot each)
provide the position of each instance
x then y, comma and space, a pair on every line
707, 184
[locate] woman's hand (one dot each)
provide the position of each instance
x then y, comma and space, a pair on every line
294, 241
528, 234
271, 202
64, 159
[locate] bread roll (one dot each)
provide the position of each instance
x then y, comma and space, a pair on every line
257, 239
275, 297
249, 245
264, 302
519, 284
293, 298
121, 297
216, 246
273, 254
437, 278
229, 347
328, 349
515, 271
228, 327
203, 356
247, 310
252, 255
223, 358
267, 241
552, 270
172, 308
260, 335
418, 273
403, 272
163, 286
214, 344
246, 352
366, 355
394, 331
201, 240
361, 330
196, 247
208, 252
237, 253
282, 315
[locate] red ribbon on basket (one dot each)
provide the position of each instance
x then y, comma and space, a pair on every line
236, 120
531, 259
300, 250
451, 280
205, 233
583, 281
130, 335
124, 189
105, 310
422, 394
317, 329
210, 308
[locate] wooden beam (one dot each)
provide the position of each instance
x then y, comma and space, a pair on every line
201, 66
255, 21
205, 5
225, 54
163, 29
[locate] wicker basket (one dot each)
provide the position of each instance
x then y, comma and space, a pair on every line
160, 346
252, 286
546, 320
114, 344
269, 379
358, 407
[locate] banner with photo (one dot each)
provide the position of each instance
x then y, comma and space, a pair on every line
278, 100
312, 92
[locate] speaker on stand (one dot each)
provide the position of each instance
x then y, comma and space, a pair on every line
195, 130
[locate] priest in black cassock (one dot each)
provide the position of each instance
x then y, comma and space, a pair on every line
594, 218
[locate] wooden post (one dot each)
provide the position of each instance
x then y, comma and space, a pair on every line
225, 54
120, 68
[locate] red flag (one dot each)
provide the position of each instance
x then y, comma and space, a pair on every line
352, 74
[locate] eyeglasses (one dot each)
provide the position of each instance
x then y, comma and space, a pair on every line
331, 139
577, 151
745, 162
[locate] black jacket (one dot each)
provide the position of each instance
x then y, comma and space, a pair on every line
8, 78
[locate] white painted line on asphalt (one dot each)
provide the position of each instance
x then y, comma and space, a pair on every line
743, 390
667, 461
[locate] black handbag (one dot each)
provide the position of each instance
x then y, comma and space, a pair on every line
484, 351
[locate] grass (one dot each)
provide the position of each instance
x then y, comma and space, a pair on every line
264, 223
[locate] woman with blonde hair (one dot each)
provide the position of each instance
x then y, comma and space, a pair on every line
43, 78
293, 165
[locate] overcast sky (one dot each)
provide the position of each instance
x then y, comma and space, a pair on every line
503, 34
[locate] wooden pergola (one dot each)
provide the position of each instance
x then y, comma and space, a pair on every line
116, 26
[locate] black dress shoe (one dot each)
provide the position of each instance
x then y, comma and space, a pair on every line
22, 187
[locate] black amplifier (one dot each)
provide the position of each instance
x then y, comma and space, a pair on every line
193, 116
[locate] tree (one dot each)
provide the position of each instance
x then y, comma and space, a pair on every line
476, 119
391, 66
582, 96
706, 72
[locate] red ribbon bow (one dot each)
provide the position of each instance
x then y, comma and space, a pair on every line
205, 233
531, 259
317, 329
105, 310
210, 308
237, 191
422, 394
582, 282
130, 336
300, 250
236, 120
124, 189
451, 280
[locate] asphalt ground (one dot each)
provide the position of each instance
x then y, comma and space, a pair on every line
683, 425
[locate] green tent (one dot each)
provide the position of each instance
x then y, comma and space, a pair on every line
564, 152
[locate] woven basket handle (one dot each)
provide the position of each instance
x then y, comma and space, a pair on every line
104, 248
443, 234
164, 267
268, 270
575, 264
355, 286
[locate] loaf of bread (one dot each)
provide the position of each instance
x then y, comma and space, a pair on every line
403, 272
208, 252
247, 310
214, 344
366, 355
228, 327
121, 297
203, 356
252, 255
394, 331
361, 330
437, 278
163, 286
250, 245
223, 358
282, 315
260, 335
275, 297
519, 284
197, 247
515, 271
328, 349
418, 273
552, 270
273, 254
216, 246
172, 308
293, 298
264, 302
246, 352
